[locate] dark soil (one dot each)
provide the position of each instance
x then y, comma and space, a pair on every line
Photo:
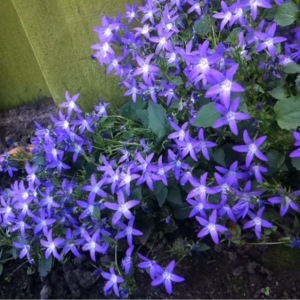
223, 272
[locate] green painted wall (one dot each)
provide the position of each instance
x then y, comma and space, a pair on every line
45, 50
21, 79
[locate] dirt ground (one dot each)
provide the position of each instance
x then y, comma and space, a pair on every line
227, 272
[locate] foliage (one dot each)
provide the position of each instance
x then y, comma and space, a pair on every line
208, 136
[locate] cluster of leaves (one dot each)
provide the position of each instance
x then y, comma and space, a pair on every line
208, 135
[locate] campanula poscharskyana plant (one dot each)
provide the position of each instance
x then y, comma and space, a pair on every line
208, 133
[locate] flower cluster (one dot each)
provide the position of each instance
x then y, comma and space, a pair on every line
214, 91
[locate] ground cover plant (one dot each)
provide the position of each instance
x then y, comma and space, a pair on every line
209, 137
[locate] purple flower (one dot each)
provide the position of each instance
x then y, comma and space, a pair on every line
166, 277
84, 123
188, 146
256, 170
180, 132
131, 12
200, 189
286, 201
122, 208
112, 282
296, 153
195, 7
132, 89
199, 207
70, 104
224, 86
127, 260
42, 222
226, 210
246, 199
162, 39
269, 40
126, 179
254, 4
48, 200
211, 227
252, 148
232, 175
145, 69
226, 185
72, 244
92, 244
101, 109
153, 268
149, 11
52, 245
25, 251
257, 222
230, 116
127, 230
226, 15
199, 63
94, 188
31, 177
161, 171
203, 145
20, 225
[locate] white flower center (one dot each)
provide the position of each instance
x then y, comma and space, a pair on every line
211, 227
230, 116
226, 85
257, 221
252, 147
145, 68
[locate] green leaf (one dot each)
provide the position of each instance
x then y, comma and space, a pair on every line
202, 247
45, 266
136, 193
96, 213
174, 196
1, 269
143, 117
297, 84
129, 109
287, 113
202, 28
233, 36
145, 225
182, 213
292, 68
286, 14
160, 192
275, 159
207, 116
158, 121
219, 157
177, 81
278, 93
296, 163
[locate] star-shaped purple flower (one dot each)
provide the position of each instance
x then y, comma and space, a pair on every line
252, 148
224, 86
257, 222
230, 116
268, 40
166, 277
122, 208
113, 281
210, 227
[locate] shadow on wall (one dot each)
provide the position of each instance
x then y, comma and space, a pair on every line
45, 50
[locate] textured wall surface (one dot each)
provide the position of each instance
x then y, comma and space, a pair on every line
45, 50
